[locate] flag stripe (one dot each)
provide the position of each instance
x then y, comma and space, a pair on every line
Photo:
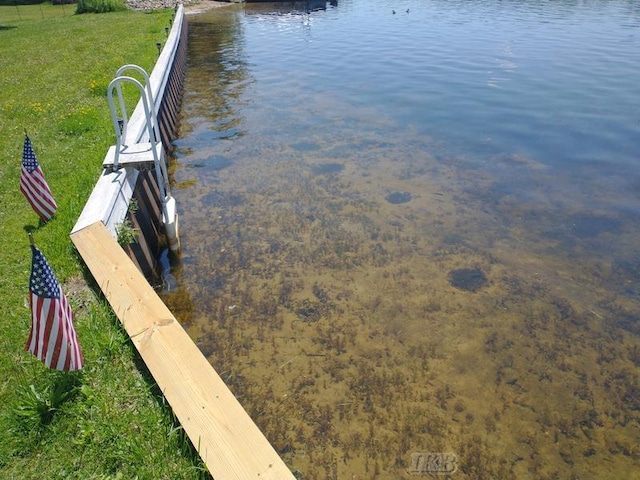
33, 184
34, 187
52, 338
41, 200
75, 358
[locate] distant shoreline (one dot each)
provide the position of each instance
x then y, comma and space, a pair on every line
200, 6
190, 6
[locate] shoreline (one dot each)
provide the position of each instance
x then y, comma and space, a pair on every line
200, 6
190, 6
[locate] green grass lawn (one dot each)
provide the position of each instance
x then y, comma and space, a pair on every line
107, 421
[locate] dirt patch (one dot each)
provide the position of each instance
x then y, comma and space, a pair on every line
78, 293
199, 7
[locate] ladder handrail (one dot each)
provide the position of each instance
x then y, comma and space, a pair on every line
150, 120
149, 93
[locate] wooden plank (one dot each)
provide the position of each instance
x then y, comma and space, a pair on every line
230, 444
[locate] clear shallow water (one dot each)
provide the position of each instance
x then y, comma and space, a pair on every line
419, 231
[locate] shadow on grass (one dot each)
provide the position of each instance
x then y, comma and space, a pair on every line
37, 405
31, 229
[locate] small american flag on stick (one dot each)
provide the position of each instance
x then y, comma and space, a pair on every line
33, 184
52, 338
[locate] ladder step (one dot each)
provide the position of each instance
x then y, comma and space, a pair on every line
137, 155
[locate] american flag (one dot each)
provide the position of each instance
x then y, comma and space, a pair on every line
33, 184
52, 338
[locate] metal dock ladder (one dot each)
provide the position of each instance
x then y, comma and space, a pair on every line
130, 151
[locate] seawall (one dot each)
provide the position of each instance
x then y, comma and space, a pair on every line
227, 439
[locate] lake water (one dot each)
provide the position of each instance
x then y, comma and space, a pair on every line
412, 227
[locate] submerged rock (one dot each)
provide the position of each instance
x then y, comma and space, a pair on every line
398, 197
469, 279
328, 168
